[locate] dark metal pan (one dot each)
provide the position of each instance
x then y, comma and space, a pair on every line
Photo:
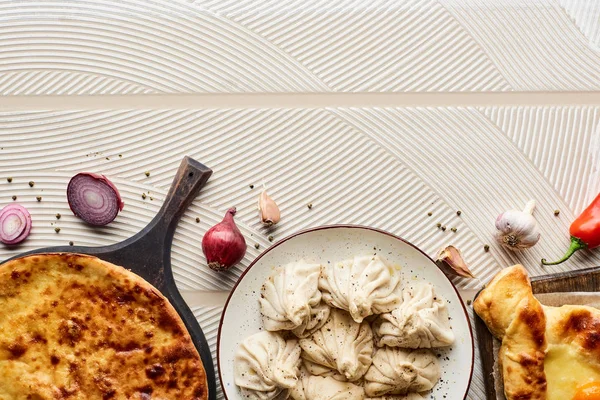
148, 253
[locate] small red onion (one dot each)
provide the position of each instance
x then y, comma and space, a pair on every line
15, 224
93, 198
223, 244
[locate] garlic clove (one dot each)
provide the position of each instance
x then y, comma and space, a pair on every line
453, 263
269, 212
517, 230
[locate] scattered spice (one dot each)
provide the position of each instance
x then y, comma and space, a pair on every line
469, 302
71, 243
147, 173
271, 238
438, 225
197, 220
57, 229
38, 198
444, 228
458, 212
430, 214
31, 183
486, 248
9, 179
120, 155
58, 216
453, 229
107, 158
144, 196
256, 246
14, 197
309, 205
556, 212
251, 186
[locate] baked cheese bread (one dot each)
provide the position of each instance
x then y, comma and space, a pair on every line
75, 327
522, 352
547, 353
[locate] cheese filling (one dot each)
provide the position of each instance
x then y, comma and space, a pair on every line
566, 371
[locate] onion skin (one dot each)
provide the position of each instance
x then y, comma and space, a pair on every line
85, 211
12, 210
223, 244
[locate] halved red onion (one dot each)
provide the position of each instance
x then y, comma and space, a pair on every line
15, 224
93, 198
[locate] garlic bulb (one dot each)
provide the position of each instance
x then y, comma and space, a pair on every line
517, 230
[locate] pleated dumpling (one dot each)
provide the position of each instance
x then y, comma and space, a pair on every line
362, 286
311, 387
397, 371
291, 299
319, 370
421, 321
266, 366
341, 344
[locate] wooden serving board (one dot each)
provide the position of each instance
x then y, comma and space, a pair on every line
148, 253
584, 280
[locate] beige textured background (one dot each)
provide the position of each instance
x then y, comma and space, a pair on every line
375, 112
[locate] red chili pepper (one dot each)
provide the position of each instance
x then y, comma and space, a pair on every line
585, 231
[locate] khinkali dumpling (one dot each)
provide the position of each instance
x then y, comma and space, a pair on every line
325, 388
397, 371
420, 321
266, 366
341, 344
291, 300
320, 370
362, 286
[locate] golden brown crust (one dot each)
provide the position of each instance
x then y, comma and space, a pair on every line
576, 325
75, 327
522, 352
497, 303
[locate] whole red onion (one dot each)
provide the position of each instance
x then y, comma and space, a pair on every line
223, 244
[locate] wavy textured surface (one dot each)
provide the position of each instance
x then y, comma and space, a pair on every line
136, 46
586, 15
536, 45
562, 142
381, 46
149, 47
386, 167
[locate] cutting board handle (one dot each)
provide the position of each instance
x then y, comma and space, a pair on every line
189, 179
148, 253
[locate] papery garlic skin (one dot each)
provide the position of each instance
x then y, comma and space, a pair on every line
450, 256
518, 230
268, 209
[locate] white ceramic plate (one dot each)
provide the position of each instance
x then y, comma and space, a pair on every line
241, 316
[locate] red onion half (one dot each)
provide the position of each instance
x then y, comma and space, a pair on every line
223, 244
15, 224
93, 198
